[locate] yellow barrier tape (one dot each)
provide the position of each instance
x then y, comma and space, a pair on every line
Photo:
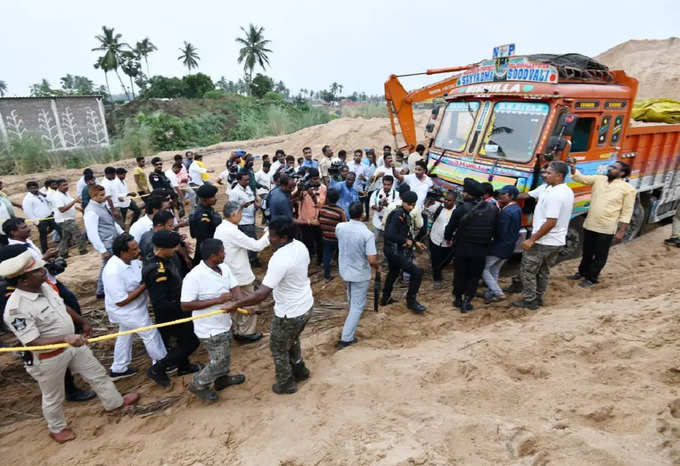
119, 334
39, 219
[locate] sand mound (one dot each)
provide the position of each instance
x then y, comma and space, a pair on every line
655, 63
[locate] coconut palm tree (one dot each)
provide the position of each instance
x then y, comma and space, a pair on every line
129, 63
189, 56
254, 50
143, 49
101, 64
110, 44
3, 88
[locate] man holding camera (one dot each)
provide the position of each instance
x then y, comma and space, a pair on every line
379, 201
312, 198
245, 196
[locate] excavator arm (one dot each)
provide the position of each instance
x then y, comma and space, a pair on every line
400, 101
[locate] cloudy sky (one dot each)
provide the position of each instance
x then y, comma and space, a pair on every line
356, 43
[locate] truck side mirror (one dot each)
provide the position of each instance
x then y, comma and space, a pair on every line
567, 124
435, 112
555, 147
429, 127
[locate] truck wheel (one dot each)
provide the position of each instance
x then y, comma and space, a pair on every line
574, 246
637, 221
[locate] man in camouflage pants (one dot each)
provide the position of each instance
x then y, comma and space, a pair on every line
535, 271
287, 277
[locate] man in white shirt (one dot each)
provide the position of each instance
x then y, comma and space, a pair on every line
38, 209
550, 225
287, 276
110, 184
263, 178
145, 223
126, 305
418, 181
65, 217
380, 199
236, 246
243, 194
123, 201
101, 228
80, 184
277, 161
206, 289
415, 156
440, 253
196, 171
381, 171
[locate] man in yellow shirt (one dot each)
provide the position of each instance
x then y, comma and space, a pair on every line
611, 207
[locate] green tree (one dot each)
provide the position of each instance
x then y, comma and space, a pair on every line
281, 88
131, 66
254, 50
3, 88
260, 85
78, 85
196, 85
43, 89
160, 87
110, 44
189, 56
143, 49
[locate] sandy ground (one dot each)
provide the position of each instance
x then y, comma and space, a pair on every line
592, 378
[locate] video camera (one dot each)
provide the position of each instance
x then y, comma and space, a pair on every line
335, 168
306, 183
56, 266
435, 193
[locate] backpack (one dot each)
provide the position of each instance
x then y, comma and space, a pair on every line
478, 225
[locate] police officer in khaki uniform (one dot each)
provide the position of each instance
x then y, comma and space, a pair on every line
38, 316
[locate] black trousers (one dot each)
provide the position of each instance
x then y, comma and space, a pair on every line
468, 270
311, 236
366, 202
185, 342
398, 260
45, 227
136, 211
595, 253
440, 257
249, 230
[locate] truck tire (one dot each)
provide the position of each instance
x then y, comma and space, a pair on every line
638, 220
574, 246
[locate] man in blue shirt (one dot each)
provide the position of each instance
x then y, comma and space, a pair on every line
280, 206
308, 162
356, 256
505, 239
348, 192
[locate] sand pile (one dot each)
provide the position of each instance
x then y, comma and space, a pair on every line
655, 63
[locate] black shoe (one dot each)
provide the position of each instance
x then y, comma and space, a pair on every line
586, 284
188, 369
226, 380
158, 375
80, 395
415, 306
300, 371
251, 338
171, 369
344, 344
467, 305
123, 375
100, 295
532, 305
387, 302
204, 394
539, 301
256, 263
576, 276
458, 302
515, 287
286, 388
672, 241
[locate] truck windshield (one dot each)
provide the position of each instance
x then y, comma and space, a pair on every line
456, 125
513, 131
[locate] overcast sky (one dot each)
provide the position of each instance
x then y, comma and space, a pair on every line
356, 43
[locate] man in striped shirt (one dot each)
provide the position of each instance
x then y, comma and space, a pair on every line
329, 216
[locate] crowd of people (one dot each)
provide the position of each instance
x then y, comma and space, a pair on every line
309, 209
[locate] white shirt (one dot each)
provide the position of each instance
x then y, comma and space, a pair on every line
35, 252
264, 179
439, 225
420, 187
195, 173
287, 276
375, 200
553, 202
224, 176
242, 195
141, 226
120, 279
204, 283
357, 168
172, 177
48, 195
91, 221
274, 167
60, 199
110, 186
81, 184
121, 190
412, 159
378, 174
236, 247
36, 206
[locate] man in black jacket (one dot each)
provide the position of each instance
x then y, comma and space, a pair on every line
470, 229
398, 241
203, 220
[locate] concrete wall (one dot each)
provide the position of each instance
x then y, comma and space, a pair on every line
63, 123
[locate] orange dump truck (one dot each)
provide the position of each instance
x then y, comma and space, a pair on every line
506, 117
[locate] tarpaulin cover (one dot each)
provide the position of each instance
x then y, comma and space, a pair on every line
657, 111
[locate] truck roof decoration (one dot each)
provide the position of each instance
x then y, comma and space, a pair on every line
512, 69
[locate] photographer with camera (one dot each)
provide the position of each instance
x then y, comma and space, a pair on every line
312, 195
379, 201
440, 253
